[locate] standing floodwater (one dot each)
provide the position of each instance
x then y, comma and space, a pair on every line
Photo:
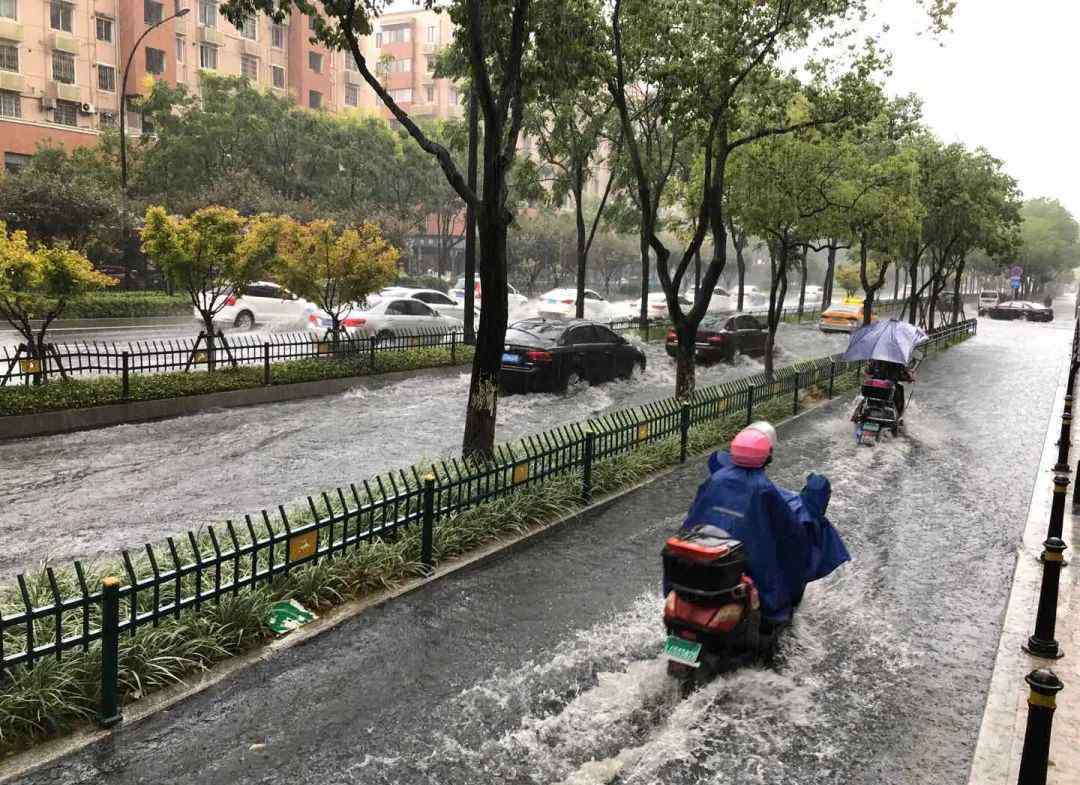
544, 666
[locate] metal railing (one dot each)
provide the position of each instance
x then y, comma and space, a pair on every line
185, 354
63, 611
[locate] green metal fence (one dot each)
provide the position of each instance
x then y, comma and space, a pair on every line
64, 612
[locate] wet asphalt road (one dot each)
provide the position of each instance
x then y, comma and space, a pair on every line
83, 494
543, 667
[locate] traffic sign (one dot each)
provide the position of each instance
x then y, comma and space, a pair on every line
1015, 283
1016, 271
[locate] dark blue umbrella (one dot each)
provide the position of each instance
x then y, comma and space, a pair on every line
890, 341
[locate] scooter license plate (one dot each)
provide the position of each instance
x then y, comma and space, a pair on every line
683, 651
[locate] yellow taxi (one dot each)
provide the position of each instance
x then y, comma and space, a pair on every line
844, 318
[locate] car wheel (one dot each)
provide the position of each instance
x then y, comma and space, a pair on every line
574, 379
245, 320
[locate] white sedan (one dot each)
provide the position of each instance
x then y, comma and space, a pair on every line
390, 317
514, 298
657, 306
263, 302
560, 304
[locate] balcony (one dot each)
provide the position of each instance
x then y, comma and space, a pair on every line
65, 92
250, 47
64, 43
429, 47
10, 30
13, 82
211, 35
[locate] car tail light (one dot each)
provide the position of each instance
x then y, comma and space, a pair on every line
355, 322
671, 336
726, 617
313, 318
567, 302
538, 357
230, 300
717, 339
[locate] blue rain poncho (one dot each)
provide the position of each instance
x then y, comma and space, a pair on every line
788, 540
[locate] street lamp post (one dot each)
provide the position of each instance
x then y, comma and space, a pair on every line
123, 140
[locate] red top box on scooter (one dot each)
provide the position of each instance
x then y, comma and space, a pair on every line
703, 563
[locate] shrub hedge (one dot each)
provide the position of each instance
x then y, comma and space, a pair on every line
117, 305
82, 393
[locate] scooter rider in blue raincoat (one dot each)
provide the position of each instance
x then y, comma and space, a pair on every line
788, 540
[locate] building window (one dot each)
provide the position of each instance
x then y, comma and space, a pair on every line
13, 162
104, 29
314, 61
431, 65
402, 96
394, 35
433, 34
378, 39
8, 8
431, 94
9, 56
10, 105
400, 66
350, 63
66, 113
249, 28
63, 67
455, 97
277, 77
106, 78
352, 95
311, 23
179, 49
207, 56
277, 36
249, 67
315, 99
60, 15
208, 13
155, 61
153, 12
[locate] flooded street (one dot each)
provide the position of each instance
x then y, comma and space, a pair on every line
543, 666
82, 494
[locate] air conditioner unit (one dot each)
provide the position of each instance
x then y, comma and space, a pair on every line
88, 108
48, 102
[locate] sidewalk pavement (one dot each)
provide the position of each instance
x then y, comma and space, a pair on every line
1001, 736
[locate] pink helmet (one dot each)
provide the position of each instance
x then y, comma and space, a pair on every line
751, 448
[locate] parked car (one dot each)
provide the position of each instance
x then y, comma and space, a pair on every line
723, 338
559, 304
1021, 309
514, 298
813, 295
542, 355
262, 302
390, 317
843, 318
657, 306
752, 297
987, 299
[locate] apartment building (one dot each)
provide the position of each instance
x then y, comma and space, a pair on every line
62, 64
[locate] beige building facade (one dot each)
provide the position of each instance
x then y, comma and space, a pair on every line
62, 64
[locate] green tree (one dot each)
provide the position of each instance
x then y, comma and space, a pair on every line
1050, 238
334, 269
847, 275
213, 254
37, 281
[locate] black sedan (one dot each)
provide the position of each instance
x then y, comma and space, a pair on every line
542, 355
1021, 309
723, 338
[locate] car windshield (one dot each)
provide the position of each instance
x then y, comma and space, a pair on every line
529, 333
840, 309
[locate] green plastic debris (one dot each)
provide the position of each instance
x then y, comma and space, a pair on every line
287, 616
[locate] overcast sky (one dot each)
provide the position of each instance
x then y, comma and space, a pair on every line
1007, 77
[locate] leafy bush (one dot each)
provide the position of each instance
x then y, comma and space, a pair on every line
423, 282
110, 305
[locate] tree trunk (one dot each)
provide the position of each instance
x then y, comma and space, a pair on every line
913, 296
740, 261
582, 257
479, 439
830, 272
802, 281
208, 326
896, 284
643, 316
777, 294
685, 376
958, 304
470, 222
